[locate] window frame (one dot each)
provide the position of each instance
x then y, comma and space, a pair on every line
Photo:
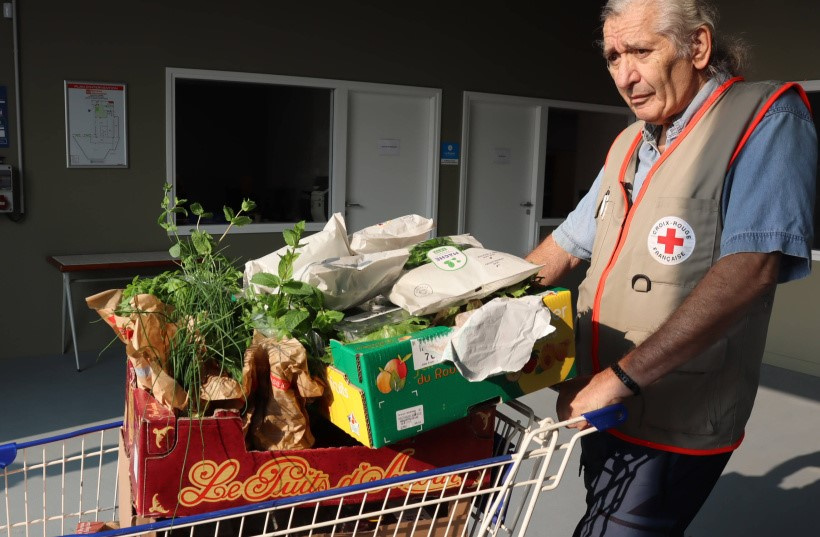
340, 92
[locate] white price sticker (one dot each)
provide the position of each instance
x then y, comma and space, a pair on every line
427, 352
410, 417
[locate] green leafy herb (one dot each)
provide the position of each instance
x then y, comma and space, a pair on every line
210, 330
418, 253
292, 308
404, 327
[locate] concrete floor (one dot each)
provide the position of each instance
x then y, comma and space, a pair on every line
771, 485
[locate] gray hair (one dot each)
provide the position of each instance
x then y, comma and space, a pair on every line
679, 19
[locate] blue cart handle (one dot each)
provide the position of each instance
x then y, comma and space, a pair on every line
606, 417
8, 452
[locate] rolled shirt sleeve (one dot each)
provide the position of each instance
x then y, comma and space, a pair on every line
769, 193
576, 234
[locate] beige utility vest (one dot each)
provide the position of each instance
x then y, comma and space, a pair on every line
647, 257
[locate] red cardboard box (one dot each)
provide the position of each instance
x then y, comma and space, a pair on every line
186, 466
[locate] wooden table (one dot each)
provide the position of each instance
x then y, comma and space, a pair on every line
93, 267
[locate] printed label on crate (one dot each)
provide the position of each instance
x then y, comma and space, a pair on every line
429, 352
170, 481
410, 417
211, 482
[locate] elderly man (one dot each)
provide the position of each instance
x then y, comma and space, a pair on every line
701, 208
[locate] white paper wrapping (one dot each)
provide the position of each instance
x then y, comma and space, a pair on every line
498, 337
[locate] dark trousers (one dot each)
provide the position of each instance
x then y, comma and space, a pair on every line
640, 492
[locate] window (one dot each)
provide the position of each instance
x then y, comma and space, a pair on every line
577, 144
266, 142
578, 139
299, 147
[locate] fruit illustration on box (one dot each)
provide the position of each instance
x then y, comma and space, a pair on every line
529, 367
552, 353
393, 375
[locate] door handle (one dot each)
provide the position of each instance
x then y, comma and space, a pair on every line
526, 204
348, 205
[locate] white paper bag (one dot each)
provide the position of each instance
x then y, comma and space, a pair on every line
348, 281
453, 277
329, 243
391, 235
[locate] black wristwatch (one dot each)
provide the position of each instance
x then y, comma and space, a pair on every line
628, 381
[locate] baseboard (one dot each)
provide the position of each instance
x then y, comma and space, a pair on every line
791, 363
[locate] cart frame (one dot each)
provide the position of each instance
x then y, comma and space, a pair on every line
507, 488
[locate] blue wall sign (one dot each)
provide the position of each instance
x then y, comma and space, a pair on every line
449, 153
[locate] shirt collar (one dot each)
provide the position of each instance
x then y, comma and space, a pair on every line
652, 132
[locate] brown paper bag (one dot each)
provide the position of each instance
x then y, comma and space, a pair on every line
147, 336
276, 380
221, 391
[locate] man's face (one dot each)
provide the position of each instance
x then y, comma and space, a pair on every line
653, 81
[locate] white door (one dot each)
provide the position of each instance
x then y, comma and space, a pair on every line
527, 162
500, 172
392, 153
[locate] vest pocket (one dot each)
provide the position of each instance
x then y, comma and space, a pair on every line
675, 242
608, 220
681, 403
687, 400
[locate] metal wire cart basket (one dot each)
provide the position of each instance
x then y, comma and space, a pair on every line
71, 484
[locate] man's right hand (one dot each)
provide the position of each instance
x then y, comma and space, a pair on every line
584, 394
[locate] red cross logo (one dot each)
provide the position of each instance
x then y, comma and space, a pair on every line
670, 241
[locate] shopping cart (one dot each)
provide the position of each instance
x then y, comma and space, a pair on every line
68, 484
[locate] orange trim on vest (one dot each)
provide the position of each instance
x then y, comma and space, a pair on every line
803, 96
596, 362
759, 117
606, 160
675, 449
596, 304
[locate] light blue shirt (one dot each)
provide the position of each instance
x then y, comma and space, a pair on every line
768, 194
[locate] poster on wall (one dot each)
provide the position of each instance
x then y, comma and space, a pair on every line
95, 125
